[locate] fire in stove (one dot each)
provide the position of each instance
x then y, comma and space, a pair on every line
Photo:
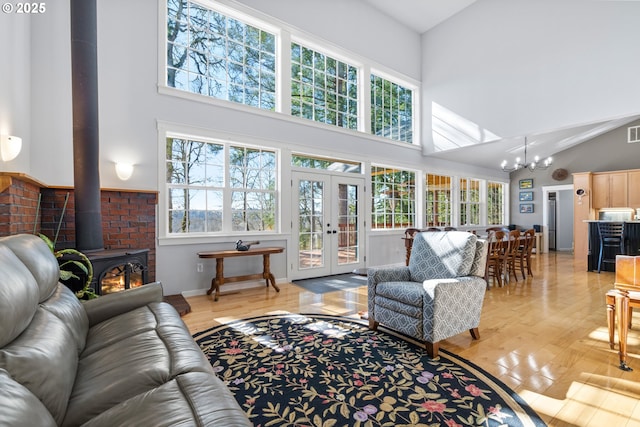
121, 277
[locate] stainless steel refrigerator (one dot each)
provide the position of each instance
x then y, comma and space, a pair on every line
551, 221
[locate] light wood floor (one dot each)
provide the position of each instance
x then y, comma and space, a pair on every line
545, 337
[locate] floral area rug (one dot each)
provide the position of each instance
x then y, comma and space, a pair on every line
325, 371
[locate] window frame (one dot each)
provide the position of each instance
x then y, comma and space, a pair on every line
503, 197
451, 201
245, 20
381, 75
413, 214
465, 205
226, 188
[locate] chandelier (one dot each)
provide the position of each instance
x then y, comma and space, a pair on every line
532, 166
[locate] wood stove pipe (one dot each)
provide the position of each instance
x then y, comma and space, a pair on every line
84, 84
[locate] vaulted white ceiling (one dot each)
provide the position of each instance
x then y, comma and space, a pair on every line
458, 145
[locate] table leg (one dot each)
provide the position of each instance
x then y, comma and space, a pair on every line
266, 272
217, 281
611, 313
622, 315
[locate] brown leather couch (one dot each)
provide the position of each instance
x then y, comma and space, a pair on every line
121, 359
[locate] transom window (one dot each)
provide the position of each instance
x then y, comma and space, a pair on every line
393, 198
495, 203
217, 187
325, 163
438, 200
469, 201
391, 110
323, 88
211, 54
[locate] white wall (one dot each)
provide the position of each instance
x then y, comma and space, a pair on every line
518, 67
15, 91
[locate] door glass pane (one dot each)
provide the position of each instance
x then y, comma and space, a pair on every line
310, 218
348, 245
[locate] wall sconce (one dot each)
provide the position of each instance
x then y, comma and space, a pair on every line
10, 147
124, 170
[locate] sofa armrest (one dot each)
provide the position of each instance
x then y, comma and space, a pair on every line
111, 305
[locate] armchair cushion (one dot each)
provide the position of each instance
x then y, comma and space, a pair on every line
442, 255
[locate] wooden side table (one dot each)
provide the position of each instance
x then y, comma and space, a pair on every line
220, 280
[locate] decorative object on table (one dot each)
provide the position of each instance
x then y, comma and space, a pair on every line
560, 174
526, 196
526, 207
314, 369
245, 246
526, 184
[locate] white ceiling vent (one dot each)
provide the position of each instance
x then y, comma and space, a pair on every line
634, 134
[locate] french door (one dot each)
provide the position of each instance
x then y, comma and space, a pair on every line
328, 224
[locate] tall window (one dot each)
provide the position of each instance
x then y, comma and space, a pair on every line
211, 54
201, 198
391, 110
323, 89
469, 201
438, 201
393, 198
495, 203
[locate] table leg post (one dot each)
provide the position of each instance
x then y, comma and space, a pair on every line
611, 316
622, 313
219, 279
266, 272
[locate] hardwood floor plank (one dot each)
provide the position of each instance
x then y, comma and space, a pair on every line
546, 337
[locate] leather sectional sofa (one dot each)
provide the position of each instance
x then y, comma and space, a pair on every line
121, 359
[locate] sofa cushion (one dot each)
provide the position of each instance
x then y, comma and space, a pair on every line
441, 255
129, 355
34, 253
194, 398
19, 407
18, 296
44, 359
67, 307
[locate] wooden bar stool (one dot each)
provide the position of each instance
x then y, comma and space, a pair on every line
611, 236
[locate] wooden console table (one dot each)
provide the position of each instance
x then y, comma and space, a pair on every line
220, 280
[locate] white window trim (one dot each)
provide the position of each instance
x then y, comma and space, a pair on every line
419, 199
169, 130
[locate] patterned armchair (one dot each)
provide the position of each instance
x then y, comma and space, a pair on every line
438, 295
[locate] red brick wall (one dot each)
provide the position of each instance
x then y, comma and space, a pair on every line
18, 206
128, 217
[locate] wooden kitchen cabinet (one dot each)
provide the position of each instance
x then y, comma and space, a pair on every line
634, 189
610, 190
